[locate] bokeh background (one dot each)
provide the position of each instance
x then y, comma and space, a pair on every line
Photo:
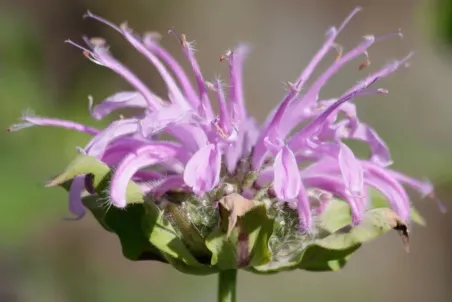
43, 258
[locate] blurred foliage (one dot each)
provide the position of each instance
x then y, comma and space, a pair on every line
443, 19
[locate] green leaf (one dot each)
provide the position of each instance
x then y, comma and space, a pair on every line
375, 223
162, 235
126, 224
259, 227
336, 241
336, 216
223, 249
379, 201
93, 204
417, 217
276, 266
314, 257
192, 270
189, 235
142, 229
318, 259
82, 164
247, 245
85, 164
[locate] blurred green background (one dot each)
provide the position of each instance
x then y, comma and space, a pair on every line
43, 258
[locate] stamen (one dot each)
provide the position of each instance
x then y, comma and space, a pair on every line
442, 207
20, 126
349, 17
152, 35
97, 42
30, 120
80, 150
226, 55
86, 52
390, 35
89, 14
366, 63
292, 87
340, 51
178, 37
210, 86
205, 106
90, 103
69, 41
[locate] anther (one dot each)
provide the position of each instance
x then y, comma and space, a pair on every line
226, 55
97, 41
152, 35
390, 35
340, 51
366, 62
176, 34
292, 87
210, 86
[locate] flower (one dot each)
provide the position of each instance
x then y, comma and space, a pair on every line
297, 173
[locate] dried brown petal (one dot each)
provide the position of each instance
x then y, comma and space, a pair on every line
237, 206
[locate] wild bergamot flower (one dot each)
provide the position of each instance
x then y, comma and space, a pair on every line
226, 192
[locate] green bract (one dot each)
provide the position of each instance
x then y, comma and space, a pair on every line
262, 239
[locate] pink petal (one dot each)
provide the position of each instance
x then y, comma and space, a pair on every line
287, 181
76, 206
143, 157
29, 121
171, 182
236, 65
157, 121
120, 100
351, 170
202, 172
304, 210
116, 130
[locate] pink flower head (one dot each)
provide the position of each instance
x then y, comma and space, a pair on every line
213, 149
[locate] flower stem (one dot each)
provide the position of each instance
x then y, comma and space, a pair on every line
227, 281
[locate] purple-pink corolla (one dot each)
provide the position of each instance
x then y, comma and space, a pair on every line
229, 149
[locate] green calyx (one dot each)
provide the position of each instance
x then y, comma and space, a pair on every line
197, 237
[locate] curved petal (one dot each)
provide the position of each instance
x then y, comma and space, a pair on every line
143, 157
147, 175
174, 92
379, 178
117, 150
29, 121
335, 185
76, 206
150, 42
157, 121
379, 150
120, 100
236, 64
312, 93
101, 54
202, 172
192, 137
424, 187
287, 180
304, 210
247, 137
171, 182
117, 129
332, 34
187, 47
351, 170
